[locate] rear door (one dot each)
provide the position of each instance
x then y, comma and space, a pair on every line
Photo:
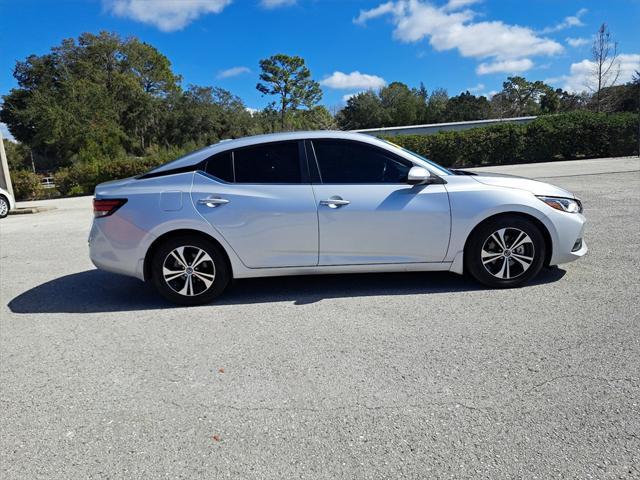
260, 200
368, 213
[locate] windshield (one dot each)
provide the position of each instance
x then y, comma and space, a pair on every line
440, 168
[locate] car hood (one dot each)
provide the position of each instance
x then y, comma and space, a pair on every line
521, 183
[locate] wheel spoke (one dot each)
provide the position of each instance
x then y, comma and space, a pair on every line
488, 257
171, 274
523, 260
188, 287
207, 281
201, 258
178, 254
500, 274
197, 258
499, 238
521, 241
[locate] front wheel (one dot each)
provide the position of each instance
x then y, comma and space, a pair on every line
189, 270
505, 252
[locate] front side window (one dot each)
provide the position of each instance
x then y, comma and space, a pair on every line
268, 163
353, 162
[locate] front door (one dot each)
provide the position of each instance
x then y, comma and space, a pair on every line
367, 212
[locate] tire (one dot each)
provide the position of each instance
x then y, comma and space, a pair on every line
189, 270
490, 263
4, 206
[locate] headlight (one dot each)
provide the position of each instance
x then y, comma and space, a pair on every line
569, 205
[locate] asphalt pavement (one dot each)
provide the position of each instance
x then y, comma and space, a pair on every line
418, 375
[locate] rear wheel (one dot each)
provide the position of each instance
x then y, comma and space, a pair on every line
505, 252
4, 206
189, 270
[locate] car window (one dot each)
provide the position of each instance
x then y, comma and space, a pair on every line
353, 162
220, 166
268, 163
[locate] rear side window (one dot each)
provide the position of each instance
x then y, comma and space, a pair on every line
353, 162
268, 163
220, 166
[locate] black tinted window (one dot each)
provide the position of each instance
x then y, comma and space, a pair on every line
352, 162
220, 166
268, 163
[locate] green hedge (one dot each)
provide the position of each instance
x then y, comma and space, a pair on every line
553, 137
27, 186
82, 178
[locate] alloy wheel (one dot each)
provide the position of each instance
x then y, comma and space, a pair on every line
4, 207
189, 270
508, 253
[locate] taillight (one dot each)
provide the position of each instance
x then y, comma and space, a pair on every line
107, 206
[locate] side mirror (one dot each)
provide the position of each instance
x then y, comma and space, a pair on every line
419, 176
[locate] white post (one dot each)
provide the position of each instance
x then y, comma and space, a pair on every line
5, 178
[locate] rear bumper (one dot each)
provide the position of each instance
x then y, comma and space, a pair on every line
111, 255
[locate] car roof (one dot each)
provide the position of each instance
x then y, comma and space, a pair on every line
224, 145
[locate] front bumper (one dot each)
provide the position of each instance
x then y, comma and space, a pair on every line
569, 228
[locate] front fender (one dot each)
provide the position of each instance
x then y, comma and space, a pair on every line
471, 206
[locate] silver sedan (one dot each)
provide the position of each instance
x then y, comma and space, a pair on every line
325, 202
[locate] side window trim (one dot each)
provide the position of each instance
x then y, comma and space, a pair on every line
374, 147
315, 176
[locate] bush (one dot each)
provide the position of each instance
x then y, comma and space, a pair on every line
552, 137
26, 185
82, 178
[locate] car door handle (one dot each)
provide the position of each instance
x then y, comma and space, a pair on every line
213, 202
335, 202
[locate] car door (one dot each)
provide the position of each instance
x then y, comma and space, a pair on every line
260, 200
367, 212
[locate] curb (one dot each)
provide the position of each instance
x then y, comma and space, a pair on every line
28, 210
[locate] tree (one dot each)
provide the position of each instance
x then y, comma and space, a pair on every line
436, 106
402, 106
606, 68
289, 79
18, 156
363, 110
97, 97
520, 97
466, 107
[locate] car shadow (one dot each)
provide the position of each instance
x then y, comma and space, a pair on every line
95, 291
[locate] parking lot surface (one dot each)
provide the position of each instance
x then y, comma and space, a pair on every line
420, 375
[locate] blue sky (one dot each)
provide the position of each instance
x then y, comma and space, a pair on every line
349, 45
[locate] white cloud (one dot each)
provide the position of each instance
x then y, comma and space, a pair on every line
448, 28
478, 88
581, 74
457, 4
505, 66
276, 3
577, 42
252, 111
379, 11
568, 22
6, 134
351, 80
166, 15
233, 72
